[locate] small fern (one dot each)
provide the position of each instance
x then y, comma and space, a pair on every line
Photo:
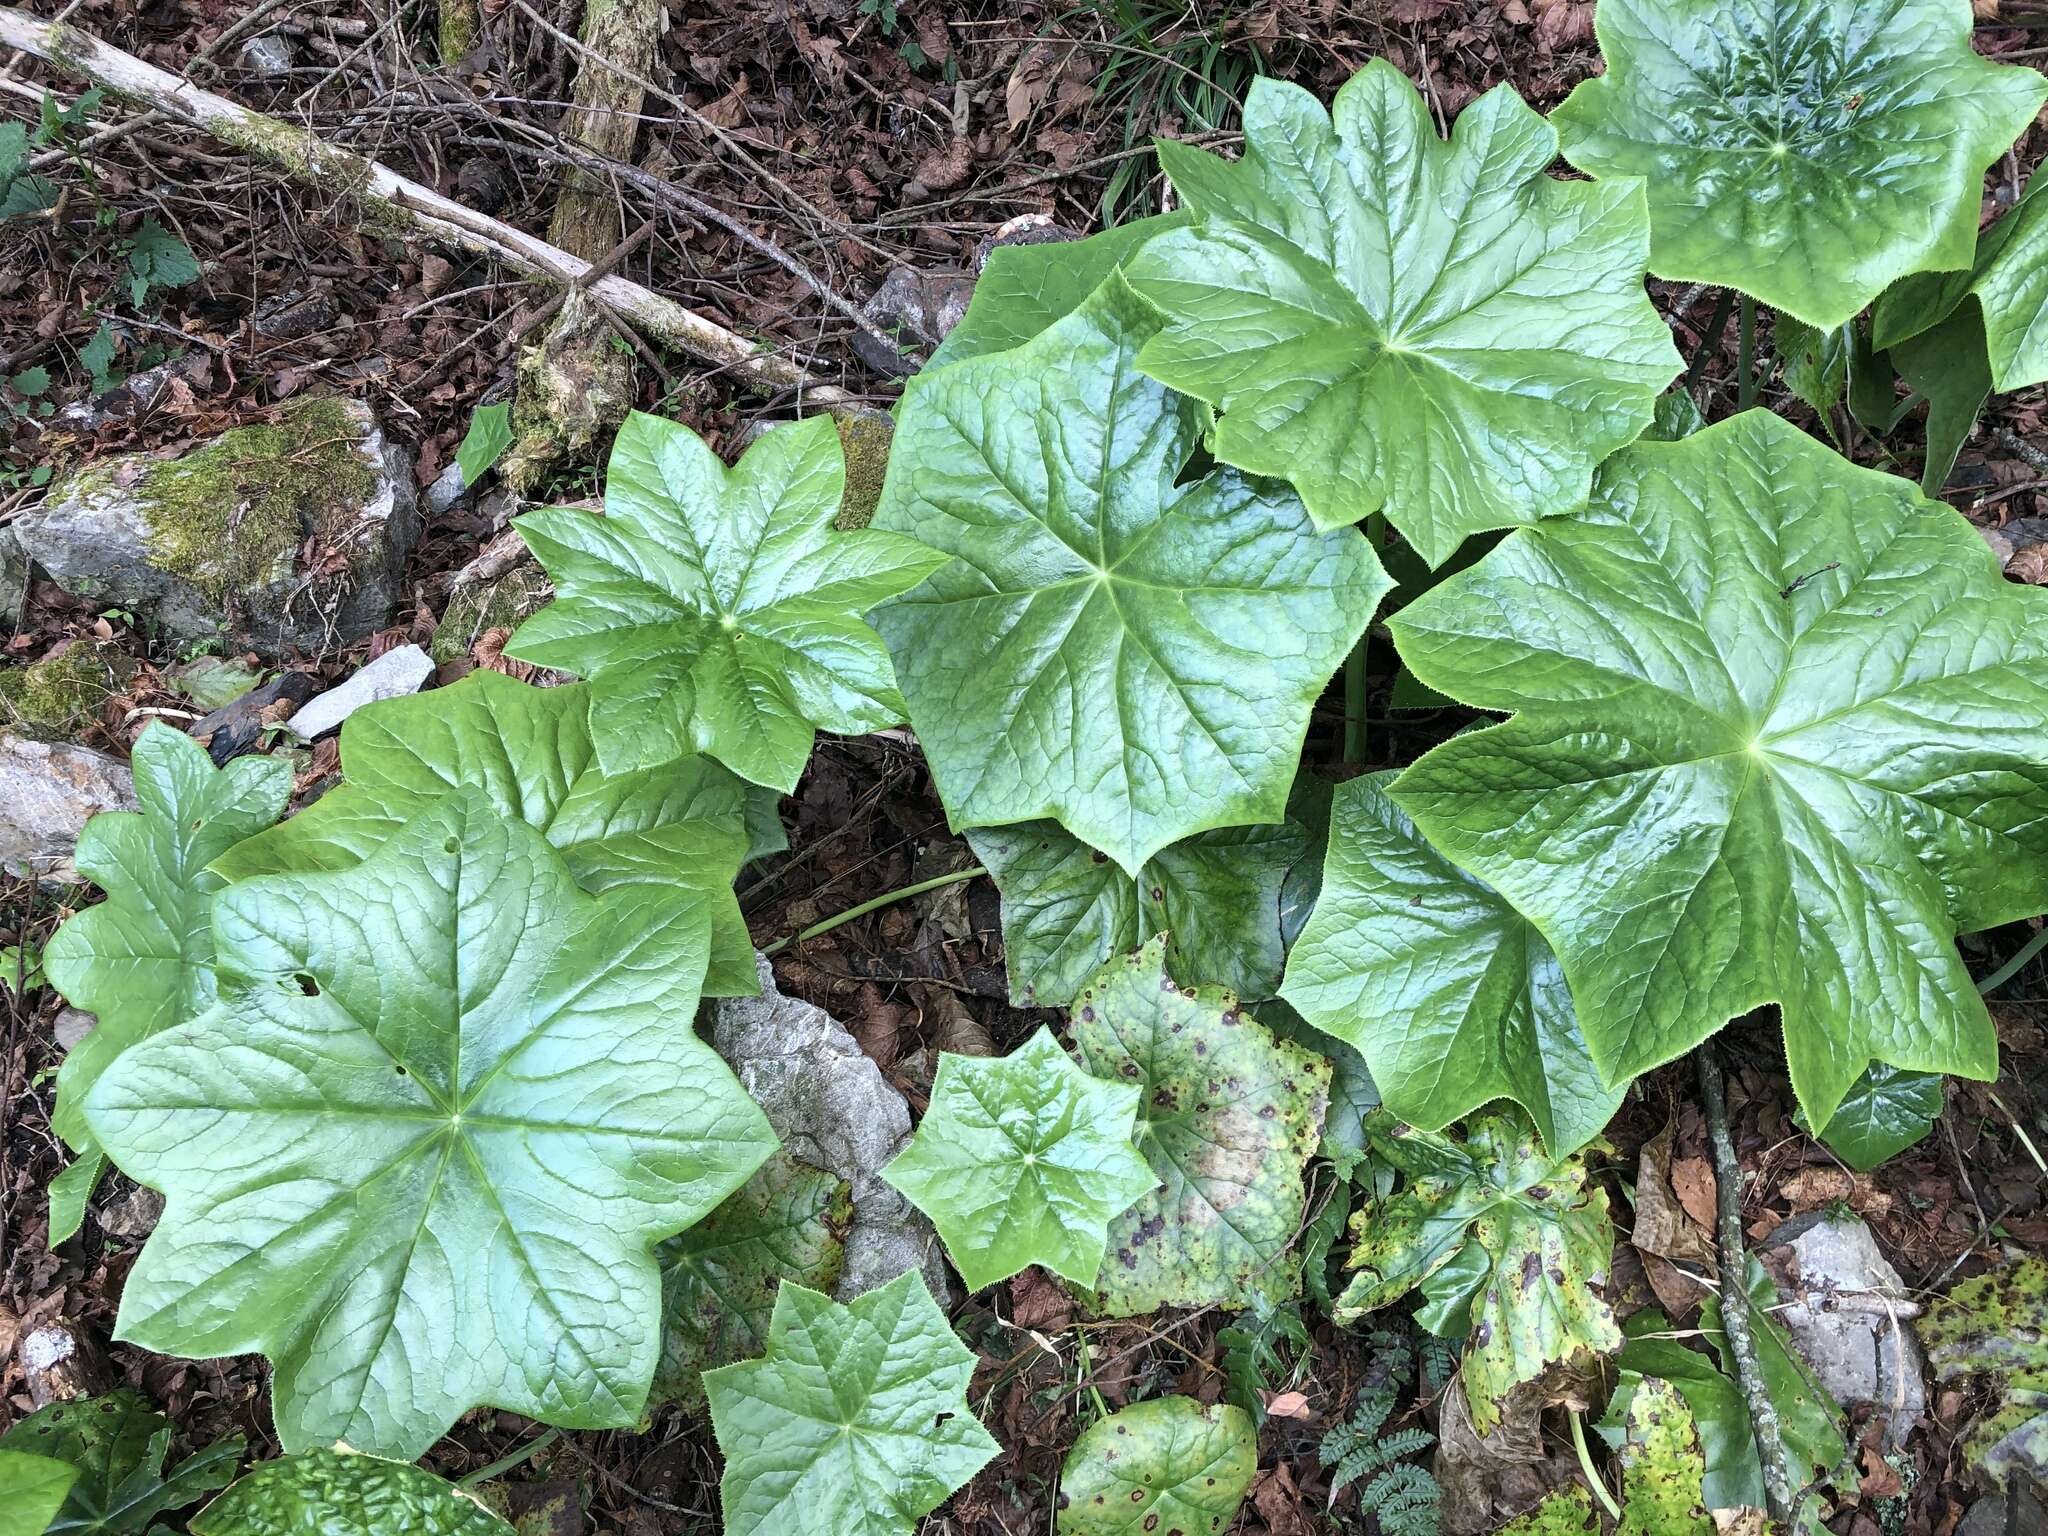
1399, 1497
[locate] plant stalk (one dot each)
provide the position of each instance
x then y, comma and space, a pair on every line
1355, 685
2016, 964
1593, 1479
883, 900
506, 1463
1710, 338
1746, 380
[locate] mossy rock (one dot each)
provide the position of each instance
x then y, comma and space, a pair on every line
288, 533
505, 603
865, 437
56, 698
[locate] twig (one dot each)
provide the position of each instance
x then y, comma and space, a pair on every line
2034, 457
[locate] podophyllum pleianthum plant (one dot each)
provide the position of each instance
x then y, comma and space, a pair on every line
1751, 726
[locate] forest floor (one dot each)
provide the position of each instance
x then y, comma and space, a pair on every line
901, 135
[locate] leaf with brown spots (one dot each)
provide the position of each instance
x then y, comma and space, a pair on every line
1168, 1467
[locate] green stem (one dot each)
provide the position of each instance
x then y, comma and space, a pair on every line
1746, 381
1710, 339
1355, 681
866, 907
1087, 1364
505, 1464
1598, 1483
2012, 967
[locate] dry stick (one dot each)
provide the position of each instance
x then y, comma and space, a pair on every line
1735, 1318
394, 202
2034, 457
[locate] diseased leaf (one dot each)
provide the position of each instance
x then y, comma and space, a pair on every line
419, 1152
681, 824
1781, 730
1025, 289
115, 1446
1996, 1325
1734, 1477
1170, 1464
1440, 331
1662, 1465
1451, 995
32, 1490
855, 1422
1067, 907
340, 1493
1520, 1235
1023, 1159
1227, 1117
718, 1280
1131, 657
142, 960
716, 610
1806, 154
1885, 1111
1567, 1512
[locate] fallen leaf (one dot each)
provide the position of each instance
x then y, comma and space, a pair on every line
1692, 1180
1285, 1405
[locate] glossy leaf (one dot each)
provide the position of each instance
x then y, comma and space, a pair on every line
1780, 731
855, 1421
1170, 1464
1996, 1326
1440, 331
339, 1493
419, 1152
1067, 908
489, 435
1733, 1477
1227, 1117
718, 1280
1131, 657
1807, 154
1885, 1111
1451, 995
142, 960
716, 610
1526, 1236
2010, 281
1023, 1159
680, 824
115, 1446
32, 1490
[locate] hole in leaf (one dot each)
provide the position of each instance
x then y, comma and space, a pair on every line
307, 984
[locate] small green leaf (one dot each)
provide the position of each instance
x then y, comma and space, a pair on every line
1567, 1512
1816, 364
30, 382
1807, 154
32, 1489
340, 1493
1130, 656
116, 1447
1227, 1116
716, 610
1440, 331
718, 1280
1885, 1111
158, 259
854, 1423
681, 824
489, 435
1996, 1325
420, 1151
1544, 1232
1451, 995
1170, 1464
1949, 368
1023, 1159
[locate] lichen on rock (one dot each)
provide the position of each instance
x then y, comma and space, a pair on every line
864, 437
574, 387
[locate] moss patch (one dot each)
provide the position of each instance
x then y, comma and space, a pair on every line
55, 698
865, 437
501, 604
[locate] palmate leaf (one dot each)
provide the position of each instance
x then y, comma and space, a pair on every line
1168, 1467
716, 610
1391, 322
1791, 729
142, 960
1806, 153
1067, 908
1129, 656
1494, 1226
420, 1151
339, 1493
1227, 1116
1451, 995
1023, 1159
855, 1421
680, 824
115, 1446
2010, 282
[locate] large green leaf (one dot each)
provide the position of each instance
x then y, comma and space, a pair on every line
681, 824
2010, 281
1067, 907
32, 1490
419, 1152
1493, 1223
718, 1280
1024, 289
1132, 657
1439, 331
1023, 1159
1734, 1477
1782, 728
142, 960
1807, 153
1227, 1117
116, 1446
1154, 1468
1996, 1325
1451, 995
716, 610
855, 1421
339, 1493
1885, 1111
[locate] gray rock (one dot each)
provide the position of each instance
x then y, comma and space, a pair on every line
1838, 1324
268, 57
393, 675
273, 536
449, 487
13, 580
133, 1215
48, 791
834, 1110
915, 307
72, 1026
2018, 1513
